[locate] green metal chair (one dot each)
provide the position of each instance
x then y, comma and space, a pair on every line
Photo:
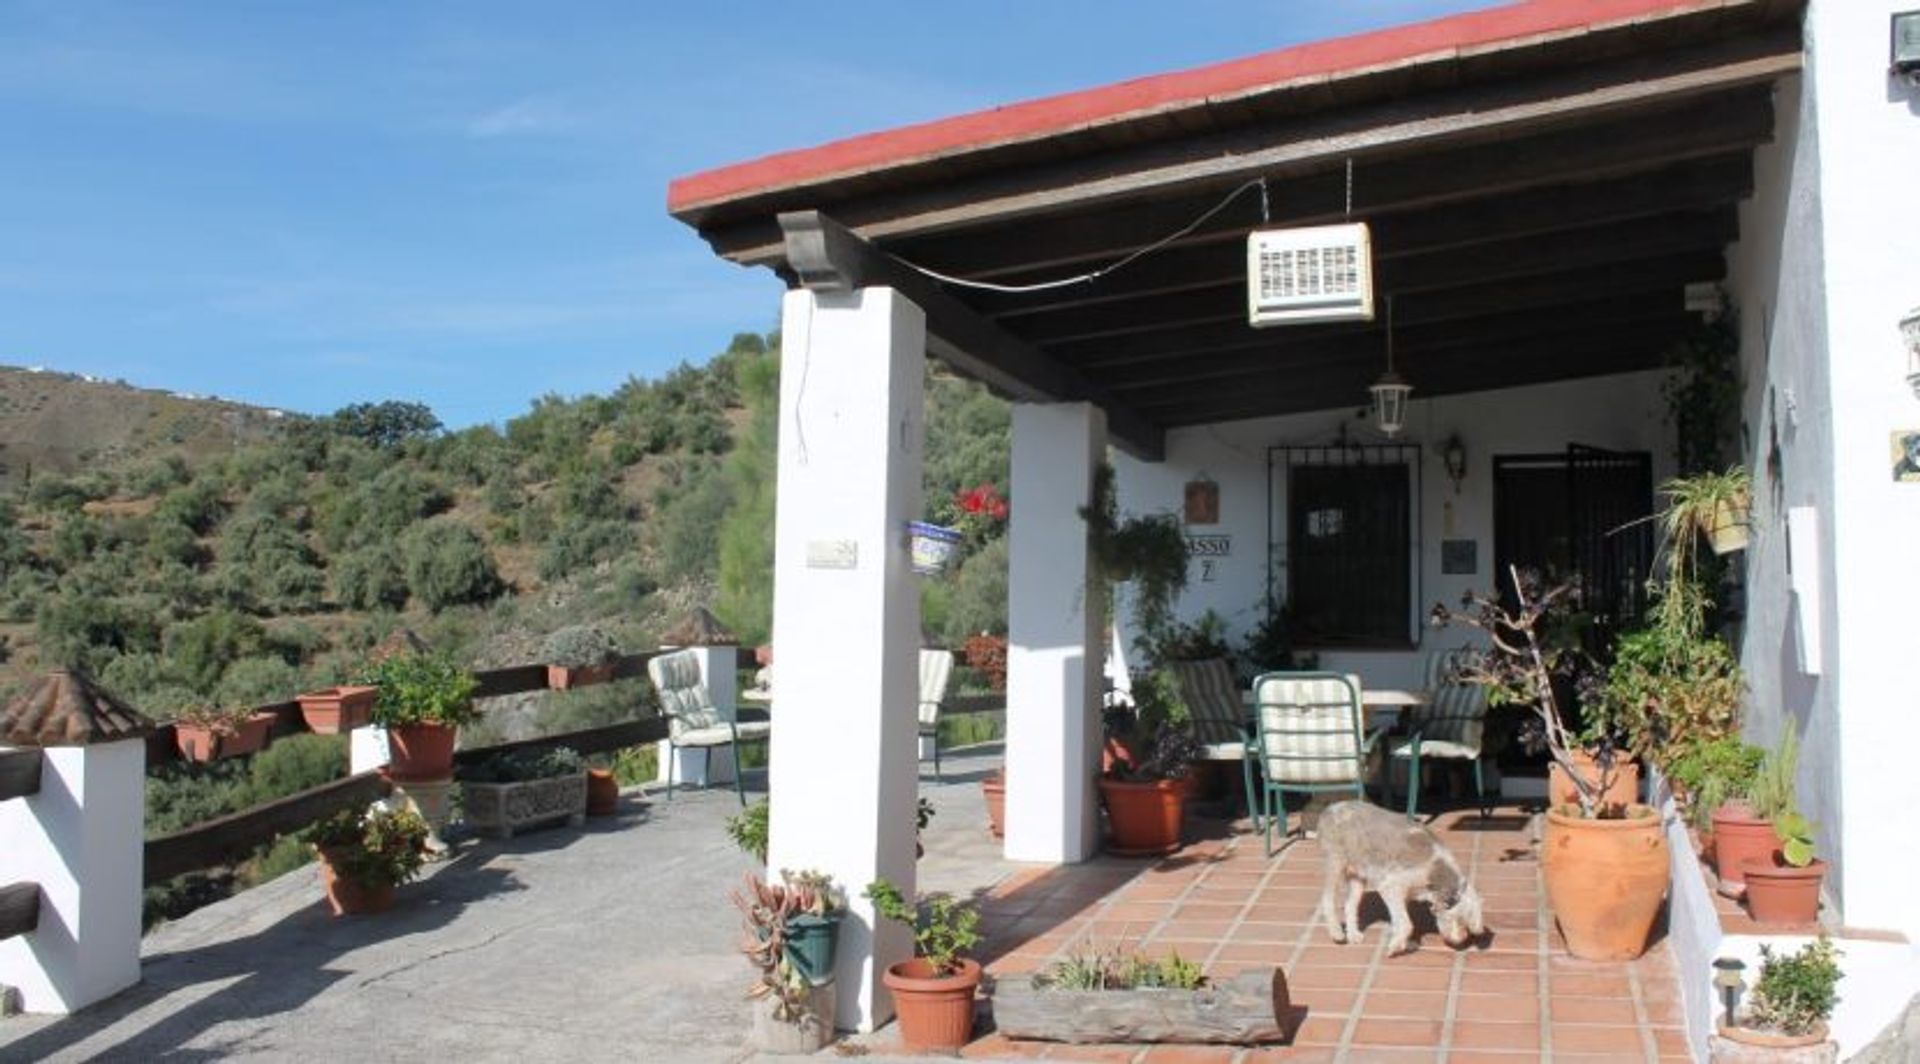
1451, 728
1219, 718
936, 669
694, 721
1305, 736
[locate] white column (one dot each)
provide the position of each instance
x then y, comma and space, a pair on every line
846, 614
80, 838
1054, 638
717, 671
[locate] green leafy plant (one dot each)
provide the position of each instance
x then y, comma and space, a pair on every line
578, 646
519, 766
372, 845
422, 689
1712, 773
1795, 833
943, 928
1667, 686
748, 829
1109, 971
1772, 791
1149, 552
1795, 993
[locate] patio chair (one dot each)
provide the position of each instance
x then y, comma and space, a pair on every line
1451, 728
936, 669
1307, 739
693, 721
1219, 716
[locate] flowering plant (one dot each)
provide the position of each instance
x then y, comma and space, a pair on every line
979, 509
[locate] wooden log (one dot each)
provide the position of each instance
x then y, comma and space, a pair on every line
19, 909
19, 773
1251, 1007
232, 837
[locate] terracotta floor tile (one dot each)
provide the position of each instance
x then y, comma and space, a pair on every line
1614, 986
1490, 1056
1484, 1034
1503, 941
1663, 1009
1275, 954
993, 1045
1405, 1004
1206, 910
1472, 982
1335, 956
1263, 931
1294, 1054
1580, 1009
1017, 964
1523, 1007
1173, 1054
1595, 1038
1615, 1057
1493, 961
1120, 1053
1320, 1030
1388, 1032
1137, 910
1152, 890
1412, 979
1342, 977
1210, 930
1432, 953
1387, 1055
1323, 1000
1671, 1041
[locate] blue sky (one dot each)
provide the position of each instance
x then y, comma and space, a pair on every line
306, 205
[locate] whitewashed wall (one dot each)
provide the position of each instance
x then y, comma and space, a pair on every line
1623, 412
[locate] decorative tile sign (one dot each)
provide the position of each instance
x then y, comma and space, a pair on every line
1906, 456
1459, 557
1202, 502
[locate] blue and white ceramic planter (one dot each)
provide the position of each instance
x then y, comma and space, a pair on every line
933, 546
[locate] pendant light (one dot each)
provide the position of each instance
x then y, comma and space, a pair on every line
1390, 391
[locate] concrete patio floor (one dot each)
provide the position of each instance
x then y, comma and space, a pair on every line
617, 942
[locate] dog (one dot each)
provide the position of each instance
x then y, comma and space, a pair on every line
1370, 847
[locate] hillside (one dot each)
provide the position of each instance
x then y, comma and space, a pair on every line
53, 422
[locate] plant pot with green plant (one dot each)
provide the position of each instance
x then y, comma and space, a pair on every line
365, 852
1711, 779
1146, 800
1743, 825
794, 1014
422, 701
1605, 865
206, 732
1783, 887
510, 792
1716, 505
1785, 1016
813, 930
933, 992
578, 655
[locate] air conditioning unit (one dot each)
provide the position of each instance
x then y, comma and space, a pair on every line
1321, 273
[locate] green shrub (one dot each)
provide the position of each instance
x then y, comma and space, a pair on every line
296, 763
256, 681
199, 651
748, 830
422, 689
197, 505
1796, 992
285, 854
370, 579
372, 846
447, 564
580, 543
943, 929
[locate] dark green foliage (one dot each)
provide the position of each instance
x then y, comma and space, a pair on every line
1795, 992
689, 510
87, 631
447, 564
256, 681
197, 505
746, 535
64, 494
421, 689
169, 541
370, 579
198, 651
579, 543
386, 424
296, 763
977, 600
266, 565
518, 766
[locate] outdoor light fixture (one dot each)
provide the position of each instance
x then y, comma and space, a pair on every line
1453, 451
1391, 390
1727, 980
1904, 52
1910, 335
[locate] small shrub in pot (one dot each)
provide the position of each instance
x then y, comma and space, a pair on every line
577, 655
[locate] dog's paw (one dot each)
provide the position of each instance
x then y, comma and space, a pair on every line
1399, 947
1339, 937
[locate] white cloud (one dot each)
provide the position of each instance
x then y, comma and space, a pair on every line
530, 116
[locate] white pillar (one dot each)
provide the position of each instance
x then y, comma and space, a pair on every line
367, 749
718, 672
1054, 638
846, 614
80, 838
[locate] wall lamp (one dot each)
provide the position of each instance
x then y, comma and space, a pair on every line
1910, 336
1453, 452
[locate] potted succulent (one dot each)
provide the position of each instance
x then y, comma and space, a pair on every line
511, 791
422, 701
337, 710
1743, 826
795, 1014
1146, 799
933, 992
813, 928
1788, 1010
1605, 864
1784, 886
578, 655
365, 852
206, 732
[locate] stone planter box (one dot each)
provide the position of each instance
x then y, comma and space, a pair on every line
1253, 1007
504, 809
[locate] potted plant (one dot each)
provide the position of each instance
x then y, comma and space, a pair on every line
1711, 776
603, 787
1605, 865
1743, 826
795, 1015
578, 655
1788, 1010
814, 927
337, 710
511, 791
931, 546
1146, 800
422, 701
933, 992
365, 852
1783, 887
206, 732
1715, 505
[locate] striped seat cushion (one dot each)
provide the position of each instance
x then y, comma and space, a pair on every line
683, 694
1454, 724
1309, 728
1212, 698
936, 668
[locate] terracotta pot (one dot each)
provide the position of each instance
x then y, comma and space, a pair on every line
1144, 818
936, 1011
995, 789
1623, 791
603, 792
199, 742
565, 677
1739, 835
763, 655
420, 751
332, 710
1779, 893
1605, 880
348, 897
1749, 1036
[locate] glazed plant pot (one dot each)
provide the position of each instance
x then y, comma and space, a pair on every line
1144, 817
350, 897
566, 677
1740, 836
1779, 893
994, 787
931, 546
603, 792
935, 1011
333, 710
1622, 791
1605, 880
420, 751
810, 945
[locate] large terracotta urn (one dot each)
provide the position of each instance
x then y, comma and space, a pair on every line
1605, 880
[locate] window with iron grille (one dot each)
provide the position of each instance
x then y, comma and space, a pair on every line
1345, 518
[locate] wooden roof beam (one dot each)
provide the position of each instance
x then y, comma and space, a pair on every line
825, 256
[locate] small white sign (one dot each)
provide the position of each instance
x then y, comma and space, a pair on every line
1209, 546
833, 554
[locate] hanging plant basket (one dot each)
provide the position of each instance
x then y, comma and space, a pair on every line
932, 546
1729, 531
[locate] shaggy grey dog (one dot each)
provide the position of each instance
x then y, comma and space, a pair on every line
1371, 847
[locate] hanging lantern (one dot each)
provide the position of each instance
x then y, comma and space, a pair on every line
1391, 390
1910, 335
